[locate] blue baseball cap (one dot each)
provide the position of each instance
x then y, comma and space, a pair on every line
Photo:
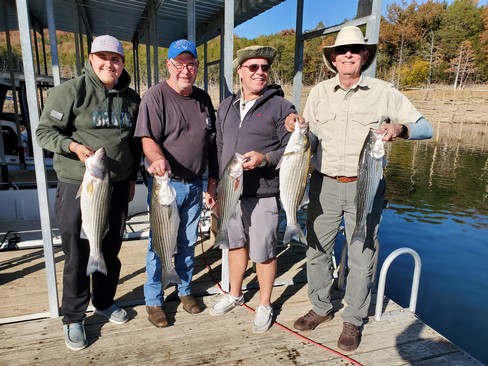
182, 45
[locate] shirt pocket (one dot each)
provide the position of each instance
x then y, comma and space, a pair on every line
361, 124
325, 125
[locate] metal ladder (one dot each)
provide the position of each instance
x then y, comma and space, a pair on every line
382, 281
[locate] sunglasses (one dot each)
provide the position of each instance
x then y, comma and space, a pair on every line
255, 67
353, 48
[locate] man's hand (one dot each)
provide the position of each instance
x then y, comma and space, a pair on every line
392, 131
83, 152
159, 167
253, 160
291, 119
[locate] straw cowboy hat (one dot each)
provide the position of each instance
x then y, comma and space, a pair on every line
348, 36
246, 53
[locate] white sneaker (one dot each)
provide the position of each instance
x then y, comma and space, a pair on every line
226, 304
263, 319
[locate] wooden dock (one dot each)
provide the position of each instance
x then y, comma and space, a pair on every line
202, 339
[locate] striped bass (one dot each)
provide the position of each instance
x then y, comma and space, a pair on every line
229, 191
165, 220
370, 173
294, 168
95, 194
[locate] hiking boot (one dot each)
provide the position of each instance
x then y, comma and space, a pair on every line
226, 304
74, 336
115, 314
310, 320
190, 305
263, 319
157, 316
350, 337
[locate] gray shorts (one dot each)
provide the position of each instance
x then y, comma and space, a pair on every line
255, 226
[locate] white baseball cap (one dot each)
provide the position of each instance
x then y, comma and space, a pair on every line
107, 44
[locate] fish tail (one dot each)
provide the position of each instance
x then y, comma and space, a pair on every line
96, 264
294, 232
221, 240
359, 234
170, 276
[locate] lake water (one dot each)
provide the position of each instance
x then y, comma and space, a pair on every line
438, 206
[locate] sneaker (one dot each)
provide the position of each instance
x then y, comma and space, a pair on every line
74, 336
226, 304
263, 319
350, 337
115, 314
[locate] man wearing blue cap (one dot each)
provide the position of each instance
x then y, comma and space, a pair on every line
176, 123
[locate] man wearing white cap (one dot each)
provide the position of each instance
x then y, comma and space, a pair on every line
340, 112
94, 110
177, 126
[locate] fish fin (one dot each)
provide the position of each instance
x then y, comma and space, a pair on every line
96, 264
170, 277
90, 187
78, 194
237, 182
294, 232
83, 233
305, 201
221, 240
280, 162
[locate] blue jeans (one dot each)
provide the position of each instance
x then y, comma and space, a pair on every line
190, 201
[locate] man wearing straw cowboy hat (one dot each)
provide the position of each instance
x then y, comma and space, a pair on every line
340, 113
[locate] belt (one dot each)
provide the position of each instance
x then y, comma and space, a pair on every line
176, 178
342, 179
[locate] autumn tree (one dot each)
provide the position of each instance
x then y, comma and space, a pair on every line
463, 66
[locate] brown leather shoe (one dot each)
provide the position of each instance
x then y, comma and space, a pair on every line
190, 305
157, 316
350, 337
310, 320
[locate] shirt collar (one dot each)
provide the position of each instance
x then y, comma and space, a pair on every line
362, 83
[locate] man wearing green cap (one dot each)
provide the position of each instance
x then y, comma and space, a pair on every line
251, 123
340, 112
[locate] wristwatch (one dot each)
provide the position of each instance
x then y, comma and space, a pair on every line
264, 162
404, 132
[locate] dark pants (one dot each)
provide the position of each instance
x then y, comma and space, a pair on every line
76, 284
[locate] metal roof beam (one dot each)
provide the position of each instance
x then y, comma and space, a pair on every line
142, 25
81, 10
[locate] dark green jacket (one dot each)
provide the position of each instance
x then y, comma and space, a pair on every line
82, 110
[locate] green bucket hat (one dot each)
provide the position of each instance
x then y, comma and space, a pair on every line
246, 53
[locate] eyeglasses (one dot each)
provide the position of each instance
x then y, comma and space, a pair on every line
255, 67
180, 67
353, 48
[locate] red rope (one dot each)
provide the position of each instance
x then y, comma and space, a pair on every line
336, 353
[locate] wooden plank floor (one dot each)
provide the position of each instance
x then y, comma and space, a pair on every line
201, 339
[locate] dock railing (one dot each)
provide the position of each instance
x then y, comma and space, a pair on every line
382, 280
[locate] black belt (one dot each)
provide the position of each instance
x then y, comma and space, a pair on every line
176, 178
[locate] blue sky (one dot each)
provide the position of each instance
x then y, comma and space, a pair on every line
283, 16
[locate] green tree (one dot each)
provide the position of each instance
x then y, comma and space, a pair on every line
461, 21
